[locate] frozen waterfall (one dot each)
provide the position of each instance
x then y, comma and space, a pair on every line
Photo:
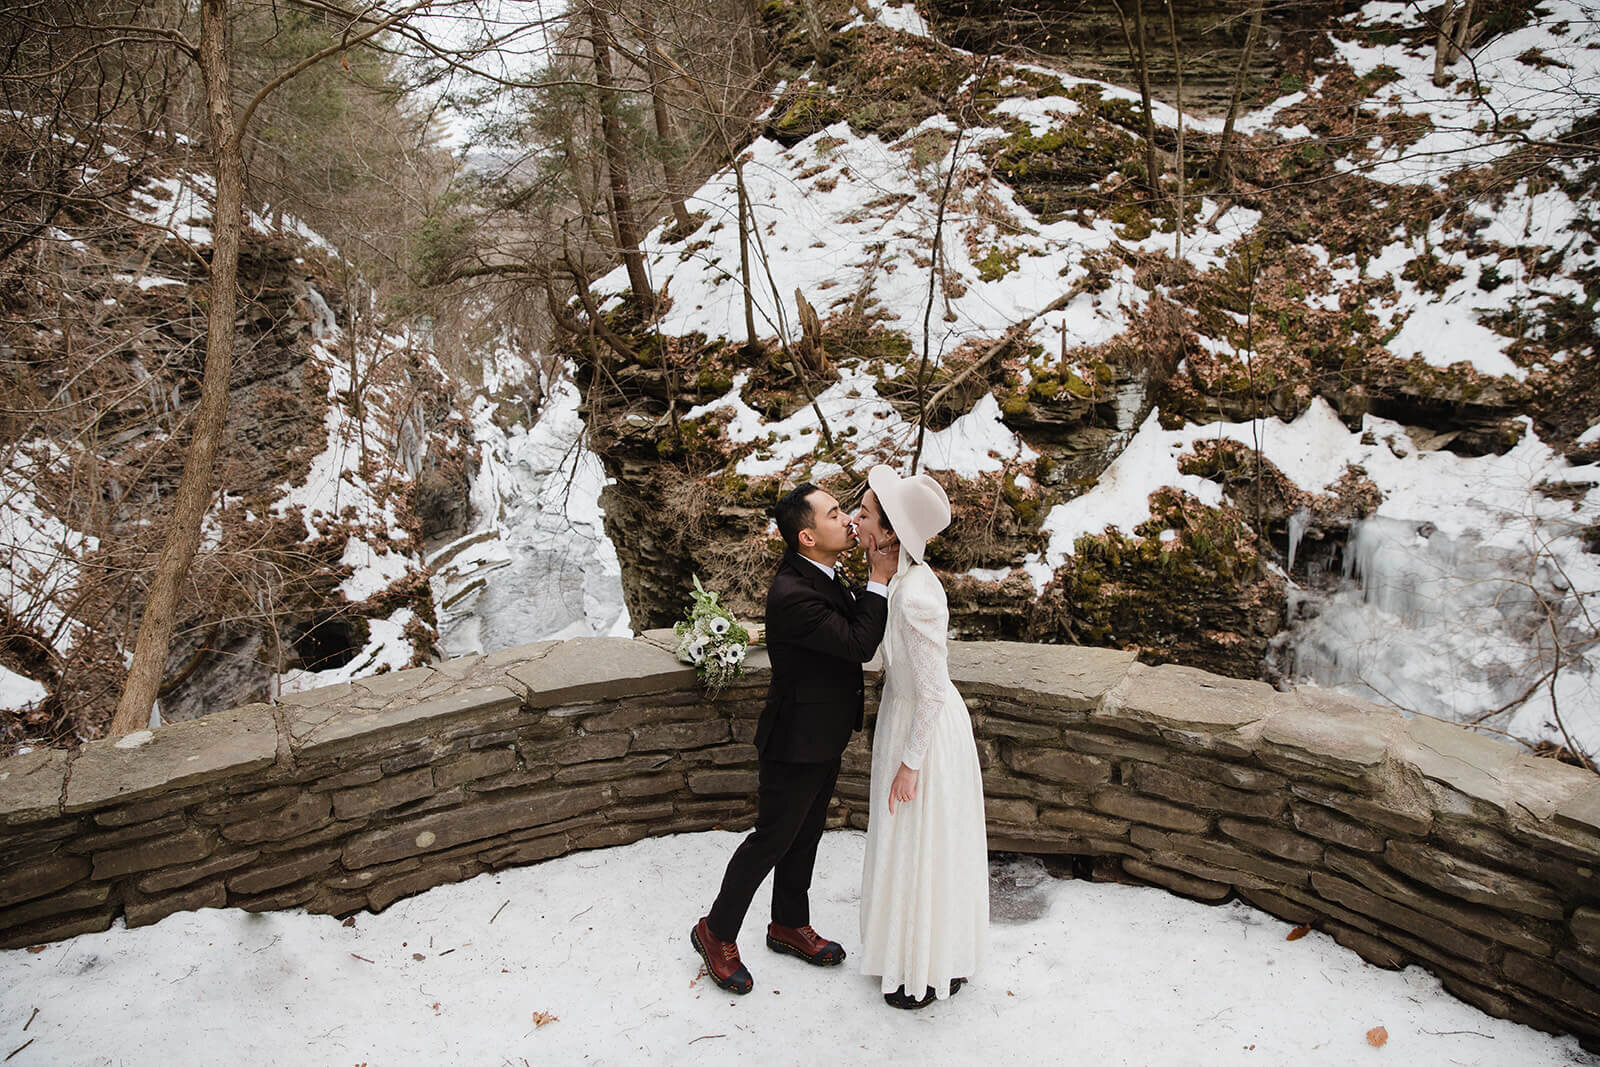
1453, 626
538, 563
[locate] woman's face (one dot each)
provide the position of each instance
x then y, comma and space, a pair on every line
869, 522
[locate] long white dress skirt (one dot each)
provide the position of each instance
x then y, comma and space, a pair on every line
925, 879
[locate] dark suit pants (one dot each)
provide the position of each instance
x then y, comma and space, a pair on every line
792, 805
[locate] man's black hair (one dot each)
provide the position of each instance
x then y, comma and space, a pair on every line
794, 513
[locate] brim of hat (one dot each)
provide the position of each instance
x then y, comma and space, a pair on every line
887, 486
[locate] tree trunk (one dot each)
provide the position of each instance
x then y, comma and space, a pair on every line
935, 256
816, 32
1225, 152
627, 225
758, 38
1463, 35
1152, 163
664, 130
1444, 43
1177, 60
1136, 52
745, 222
195, 486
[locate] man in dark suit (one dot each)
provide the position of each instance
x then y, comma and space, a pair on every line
819, 633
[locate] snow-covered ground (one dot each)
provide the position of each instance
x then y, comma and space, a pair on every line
1544, 74
339, 489
839, 211
42, 565
586, 959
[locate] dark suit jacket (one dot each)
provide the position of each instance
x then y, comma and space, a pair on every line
818, 636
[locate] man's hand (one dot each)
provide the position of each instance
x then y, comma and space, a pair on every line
882, 560
904, 786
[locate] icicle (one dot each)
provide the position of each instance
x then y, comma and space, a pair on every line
1297, 529
1127, 402
1405, 568
411, 440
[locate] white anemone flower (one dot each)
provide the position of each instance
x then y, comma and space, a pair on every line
697, 650
719, 625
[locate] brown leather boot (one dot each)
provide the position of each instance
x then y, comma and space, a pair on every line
722, 959
806, 943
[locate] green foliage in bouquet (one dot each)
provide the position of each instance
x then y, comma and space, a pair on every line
711, 639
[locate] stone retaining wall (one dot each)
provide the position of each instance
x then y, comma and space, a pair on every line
1408, 841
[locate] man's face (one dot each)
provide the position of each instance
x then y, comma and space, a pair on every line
830, 525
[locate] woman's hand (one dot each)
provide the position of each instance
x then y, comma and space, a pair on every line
904, 786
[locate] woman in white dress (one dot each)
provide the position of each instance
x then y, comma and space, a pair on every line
925, 881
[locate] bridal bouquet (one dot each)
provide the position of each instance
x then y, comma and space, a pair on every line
712, 640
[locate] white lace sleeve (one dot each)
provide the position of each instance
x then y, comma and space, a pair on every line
925, 618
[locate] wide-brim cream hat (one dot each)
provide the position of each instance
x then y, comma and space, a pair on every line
917, 507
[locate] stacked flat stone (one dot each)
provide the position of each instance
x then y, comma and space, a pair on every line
1408, 841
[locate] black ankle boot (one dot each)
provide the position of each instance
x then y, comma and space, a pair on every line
900, 999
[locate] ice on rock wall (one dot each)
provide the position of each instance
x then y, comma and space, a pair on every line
539, 565
1449, 626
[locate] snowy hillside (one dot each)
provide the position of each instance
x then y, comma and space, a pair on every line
1335, 422
1472, 581
311, 553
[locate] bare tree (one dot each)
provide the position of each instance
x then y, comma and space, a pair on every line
1177, 61
616, 153
665, 130
1137, 52
194, 490
61, 91
936, 263
1225, 172
752, 337
1454, 34
227, 126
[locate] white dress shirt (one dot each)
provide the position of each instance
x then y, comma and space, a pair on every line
872, 587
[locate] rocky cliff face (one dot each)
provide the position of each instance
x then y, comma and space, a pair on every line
1289, 287
1203, 40
343, 449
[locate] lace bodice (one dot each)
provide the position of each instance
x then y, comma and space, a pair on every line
917, 660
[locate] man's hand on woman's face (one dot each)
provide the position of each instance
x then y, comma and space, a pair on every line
882, 558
